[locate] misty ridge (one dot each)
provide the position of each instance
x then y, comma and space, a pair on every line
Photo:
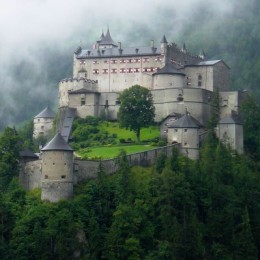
37, 41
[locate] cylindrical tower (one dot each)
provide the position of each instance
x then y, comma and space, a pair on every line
168, 77
57, 170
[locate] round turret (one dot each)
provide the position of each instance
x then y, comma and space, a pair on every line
57, 170
168, 77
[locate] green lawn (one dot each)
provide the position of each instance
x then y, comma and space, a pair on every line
111, 151
146, 133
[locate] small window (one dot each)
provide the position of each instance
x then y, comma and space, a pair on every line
46, 176
53, 163
199, 80
185, 144
176, 130
42, 127
185, 130
83, 102
63, 176
118, 102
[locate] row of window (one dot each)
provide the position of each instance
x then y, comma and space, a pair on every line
125, 70
158, 59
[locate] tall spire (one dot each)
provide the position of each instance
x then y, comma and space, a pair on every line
164, 39
107, 40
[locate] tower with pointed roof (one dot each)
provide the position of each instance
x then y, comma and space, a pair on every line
186, 132
43, 123
57, 170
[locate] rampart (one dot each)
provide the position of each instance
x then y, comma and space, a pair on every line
30, 174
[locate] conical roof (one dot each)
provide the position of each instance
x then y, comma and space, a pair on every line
169, 69
46, 113
186, 121
107, 39
163, 40
28, 153
57, 143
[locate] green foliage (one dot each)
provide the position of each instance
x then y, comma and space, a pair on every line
136, 109
10, 147
205, 209
250, 111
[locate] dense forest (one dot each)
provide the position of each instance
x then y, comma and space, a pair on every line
176, 209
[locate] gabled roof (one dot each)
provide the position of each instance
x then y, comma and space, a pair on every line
186, 121
46, 113
206, 63
232, 119
57, 143
107, 39
169, 69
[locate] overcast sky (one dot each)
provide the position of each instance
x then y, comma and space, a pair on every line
30, 25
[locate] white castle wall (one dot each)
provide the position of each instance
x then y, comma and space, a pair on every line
117, 73
67, 85
30, 174
231, 134
42, 126
88, 108
162, 81
188, 138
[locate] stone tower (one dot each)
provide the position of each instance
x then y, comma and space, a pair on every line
186, 132
57, 170
43, 122
230, 131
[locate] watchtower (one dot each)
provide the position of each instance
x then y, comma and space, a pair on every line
57, 170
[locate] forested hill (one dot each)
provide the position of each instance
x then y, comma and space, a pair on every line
178, 209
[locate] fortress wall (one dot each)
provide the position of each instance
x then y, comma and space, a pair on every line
86, 169
195, 100
30, 174
175, 54
161, 81
73, 84
228, 101
206, 73
221, 76
90, 108
55, 191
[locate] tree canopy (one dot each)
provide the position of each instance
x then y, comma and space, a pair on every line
136, 109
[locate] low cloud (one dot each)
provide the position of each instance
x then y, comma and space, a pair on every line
38, 37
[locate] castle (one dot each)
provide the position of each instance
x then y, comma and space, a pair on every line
182, 86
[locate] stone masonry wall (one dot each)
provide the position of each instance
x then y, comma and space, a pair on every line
85, 169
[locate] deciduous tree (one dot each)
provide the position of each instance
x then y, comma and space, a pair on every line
136, 109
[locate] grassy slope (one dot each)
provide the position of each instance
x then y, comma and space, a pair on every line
109, 151
146, 133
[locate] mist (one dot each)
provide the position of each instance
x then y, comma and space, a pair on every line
38, 37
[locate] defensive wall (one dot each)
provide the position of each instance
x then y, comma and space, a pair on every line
30, 172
